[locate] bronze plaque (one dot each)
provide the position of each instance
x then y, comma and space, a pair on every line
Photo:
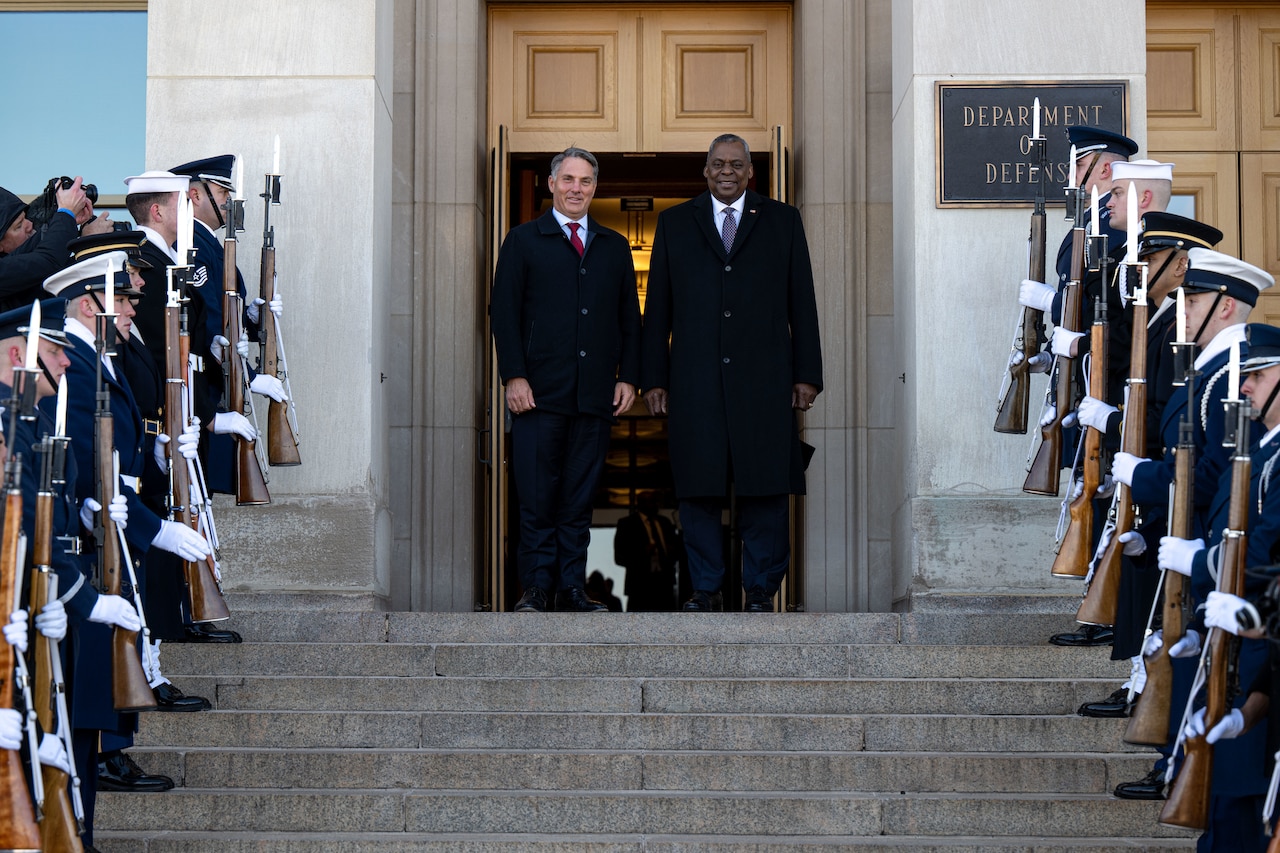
984, 154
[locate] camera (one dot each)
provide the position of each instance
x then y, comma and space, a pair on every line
45, 205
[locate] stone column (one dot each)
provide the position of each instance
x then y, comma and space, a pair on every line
956, 273
318, 73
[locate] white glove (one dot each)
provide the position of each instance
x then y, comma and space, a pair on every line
181, 540
1123, 465
52, 620
276, 305
1040, 362
1095, 413
242, 345
118, 512
1221, 609
189, 442
1070, 418
1134, 544
1188, 646
1153, 644
87, 509
1063, 340
1050, 415
15, 633
114, 610
10, 729
1106, 488
53, 753
218, 346
225, 423
158, 452
254, 309
268, 386
1230, 726
1036, 294
1175, 555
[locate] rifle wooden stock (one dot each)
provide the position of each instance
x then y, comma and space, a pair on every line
129, 688
41, 646
1045, 475
1103, 596
251, 485
18, 828
1274, 846
59, 830
1188, 803
207, 603
1149, 721
1011, 414
1073, 557
282, 442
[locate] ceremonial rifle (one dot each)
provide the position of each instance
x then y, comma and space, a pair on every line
1072, 559
1015, 398
1099, 605
1149, 721
129, 688
18, 827
282, 434
1188, 802
59, 828
207, 603
251, 486
1044, 476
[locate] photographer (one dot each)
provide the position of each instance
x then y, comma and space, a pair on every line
27, 258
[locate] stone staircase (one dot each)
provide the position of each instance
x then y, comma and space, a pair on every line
366, 732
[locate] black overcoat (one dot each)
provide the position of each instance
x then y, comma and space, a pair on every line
743, 329
569, 325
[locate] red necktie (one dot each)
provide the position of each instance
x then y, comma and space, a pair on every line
574, 239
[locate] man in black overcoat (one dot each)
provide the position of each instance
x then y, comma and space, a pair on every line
731, 350
566, 325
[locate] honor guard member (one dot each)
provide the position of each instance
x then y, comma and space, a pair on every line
1220, 291
1097, 150
1239, 775
1163, 245
82, 284
77, 600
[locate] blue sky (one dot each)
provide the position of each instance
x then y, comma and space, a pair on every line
75, 98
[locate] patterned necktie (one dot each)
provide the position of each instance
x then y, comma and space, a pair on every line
574, 239
730, 229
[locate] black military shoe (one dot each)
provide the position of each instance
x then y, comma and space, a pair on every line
170, 698
1115, 705
1149, 787
575, 600
534, 600
204, 632
1088, 635
119, 772
705, 602
758, 601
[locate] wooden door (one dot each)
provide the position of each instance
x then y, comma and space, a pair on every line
1213, 109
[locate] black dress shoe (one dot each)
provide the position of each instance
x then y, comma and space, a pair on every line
575, 600
1115, 705
170, 698
759, 601
204, 632
706, 602
1149, 787
534, 600
1088, 635
119, 772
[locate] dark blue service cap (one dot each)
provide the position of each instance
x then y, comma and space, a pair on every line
1162, 230
129, 242
53, 312
1264, 347
1214, 272
91, 274
216, 170
1086, 139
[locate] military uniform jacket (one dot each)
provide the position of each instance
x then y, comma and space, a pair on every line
569, 325
130, 438
1063, 262
1151, 480
743, 330
22, 273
